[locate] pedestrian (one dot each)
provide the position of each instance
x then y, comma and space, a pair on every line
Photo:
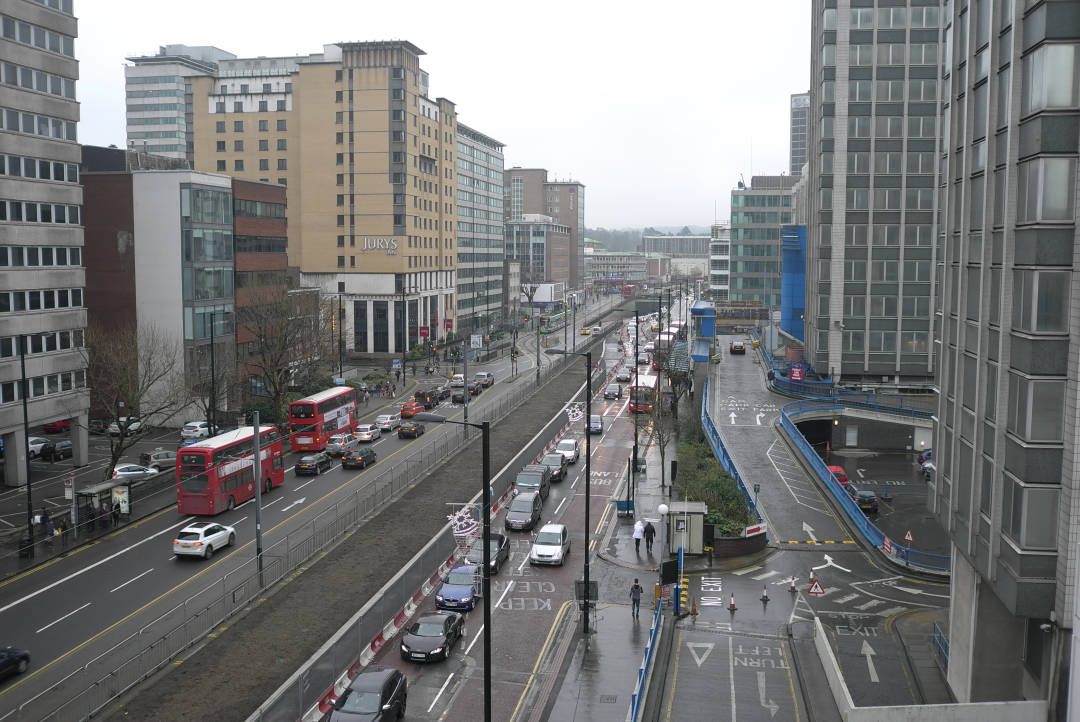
635, 598
116, 513
639, 531
44, 516
650, 532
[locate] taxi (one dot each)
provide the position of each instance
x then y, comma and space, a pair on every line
412, 408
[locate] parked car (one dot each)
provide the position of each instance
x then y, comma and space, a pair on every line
570, 449
57, 450
613, 391
623, 374
557, 463
737, 347
410, 409
97, 426
867, 500
533, 477
56, 427
13, 661
925, 456
524, 511
35, 444
368, 432
360, 458
159, 459
130, 424
376, 694
133, 472
410, 430
500, 551
314, 464
202, 539
486, 378
432, 636
551, 545
388, 422
459, 588
596, 424
338, 444
195, 430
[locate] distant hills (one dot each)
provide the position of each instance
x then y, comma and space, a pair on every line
629, 239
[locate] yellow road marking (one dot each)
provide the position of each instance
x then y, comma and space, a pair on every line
674, 674
539, 657
790, 682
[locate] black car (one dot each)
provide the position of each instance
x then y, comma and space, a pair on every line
314, 464
738, 348
458, 396
524, 512
56, 450
13, 661
475, 388
613, 391
557, 463
443, 392
375, 695
410, 430
360, 458
432, 636
500, 551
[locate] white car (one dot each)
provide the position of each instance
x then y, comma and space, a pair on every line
551, 545
570, 449
195, 430
133, 472
338, 444
649, 347
368, 432
132, 424
202, 539
34, 445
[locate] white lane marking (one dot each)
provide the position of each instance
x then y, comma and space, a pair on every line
129, 581
71, 576
524, 562
845, 600
441, 690
62, 618
890, 611
8, 523
766, 575
560, 505
869, 605
747, 570
476, 636
305, 484
731, 674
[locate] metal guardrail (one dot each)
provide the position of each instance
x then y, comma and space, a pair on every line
722, 454
940, 644
638, 695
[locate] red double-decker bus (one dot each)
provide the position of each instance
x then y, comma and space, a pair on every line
217, 474
643, 393
314, 419
629, 291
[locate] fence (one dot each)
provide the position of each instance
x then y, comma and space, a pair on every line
638, 695
939, 642
722, 453
88, 688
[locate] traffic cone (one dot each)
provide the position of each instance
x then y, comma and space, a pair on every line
811, 577
731, 606
693, 607
764, 593
792, 588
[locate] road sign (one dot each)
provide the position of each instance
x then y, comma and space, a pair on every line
816, 589
69, 484
424, 333
476, 341
796, 373
908, 537
397, 362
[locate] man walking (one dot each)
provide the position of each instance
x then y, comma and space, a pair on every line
635, 598
650, 532
639, 531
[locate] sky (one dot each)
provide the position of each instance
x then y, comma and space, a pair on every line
657, 108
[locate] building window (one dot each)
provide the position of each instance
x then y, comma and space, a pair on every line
858, 163
238, 164
1036, 408
221, 166
219, 107
862, 18
264, 145
282, 144
238, 126
858, 199
264, 164
281, 124
862, 55
264, 126
859, 91
828, 56
891, 53
281, 106
341, 261
339, 159
282, 164
1025, 510
1044, 190
341, 241
339, 96
220, 126
221, 146
859, 126
283, 181
341, 220
1040, 300
238, 107
263, 106
855, 235
889, 18
1050, 78
238, 146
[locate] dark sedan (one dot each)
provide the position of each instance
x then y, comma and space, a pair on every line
314, 464
56, 450
475, 388
500, 551
13, 661
613, 391
432, 637
458, 397
443, 392
377, 694
738, 348
360, 458
410, 430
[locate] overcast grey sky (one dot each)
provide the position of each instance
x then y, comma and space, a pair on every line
656, 107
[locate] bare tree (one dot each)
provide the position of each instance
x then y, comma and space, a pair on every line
212, 383
133, 372
662, 431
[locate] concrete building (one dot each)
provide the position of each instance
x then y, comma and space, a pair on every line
873, 172
160, 106
606, 269
540, 245
1007, 329
42, 314
719, 262
480, 231
757, 213
800, 117
529, 191
689, 253
373, 158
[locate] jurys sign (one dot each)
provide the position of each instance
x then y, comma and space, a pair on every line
389, 245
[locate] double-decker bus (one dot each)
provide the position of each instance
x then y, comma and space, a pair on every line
314, 419
552, 322
216, 474
643, 393
629, 291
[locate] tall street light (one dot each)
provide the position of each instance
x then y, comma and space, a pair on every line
25, 391
485, 429
588, 467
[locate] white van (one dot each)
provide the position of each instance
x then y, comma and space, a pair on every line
388, 422
457, 380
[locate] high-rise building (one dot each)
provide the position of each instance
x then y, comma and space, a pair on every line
719, 261
873, 131
372, 159
528, 191
757, 213
536, 241
1007, 327
480, 231
800, 117
42, 316
159, 97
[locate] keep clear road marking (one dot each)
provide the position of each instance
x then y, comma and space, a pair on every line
700, 656
62, 618
129, 581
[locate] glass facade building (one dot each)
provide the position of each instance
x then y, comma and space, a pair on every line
480, 230
757, 213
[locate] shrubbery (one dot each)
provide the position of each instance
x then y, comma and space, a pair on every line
702, 478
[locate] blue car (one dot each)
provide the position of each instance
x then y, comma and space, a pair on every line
596, 424
458, 590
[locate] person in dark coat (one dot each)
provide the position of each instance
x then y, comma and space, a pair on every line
650, 532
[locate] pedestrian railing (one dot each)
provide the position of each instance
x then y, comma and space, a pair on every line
721, 452
939, 642
642, 681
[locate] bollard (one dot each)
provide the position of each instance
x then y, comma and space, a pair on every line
731, 606
792, 588
764, 593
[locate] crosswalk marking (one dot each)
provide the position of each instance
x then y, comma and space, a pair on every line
747, 571
829, 590
890, 611
869, 605
845, 600
766, 575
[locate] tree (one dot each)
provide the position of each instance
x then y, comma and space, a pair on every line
284, 328
133, 371
662, 431
211, 385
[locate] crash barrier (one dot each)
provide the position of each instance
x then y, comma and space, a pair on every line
637, 698
722, 454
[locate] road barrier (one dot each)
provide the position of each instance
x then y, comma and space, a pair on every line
722, 454
637, 697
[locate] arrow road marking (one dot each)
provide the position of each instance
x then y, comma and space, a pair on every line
860, 473
732, 417
298, 502
702, 656
759, 415
810, 532
770, 705
830, 563
868, 652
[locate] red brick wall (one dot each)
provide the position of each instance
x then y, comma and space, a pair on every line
109, 256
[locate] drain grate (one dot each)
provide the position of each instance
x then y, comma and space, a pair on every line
609, 698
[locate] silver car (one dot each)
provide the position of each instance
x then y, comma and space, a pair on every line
132, 472
338, 444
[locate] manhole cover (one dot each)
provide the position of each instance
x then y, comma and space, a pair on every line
608, 699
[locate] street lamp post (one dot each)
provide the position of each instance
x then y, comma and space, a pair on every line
26, 446
663, 510
588, 467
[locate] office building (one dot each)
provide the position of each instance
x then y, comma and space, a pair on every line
757, 213
160, 106
719, 262
540, 246
689, 252
874, 109
606, 270
529, 191
480, 231
1007, 327
800, 117
42, 315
